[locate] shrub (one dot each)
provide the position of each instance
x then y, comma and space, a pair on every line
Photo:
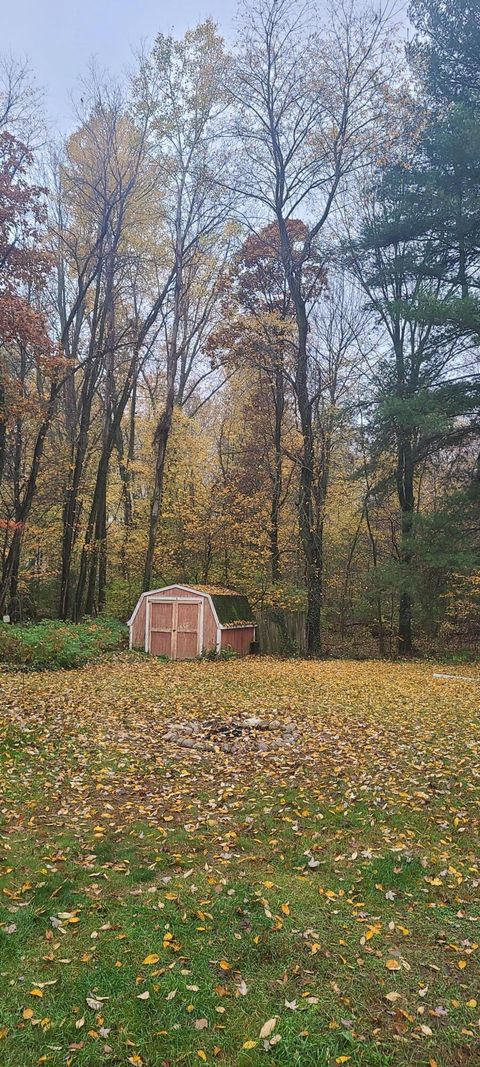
212, 655
58, 645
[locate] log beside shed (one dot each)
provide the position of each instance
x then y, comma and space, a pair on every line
182, 622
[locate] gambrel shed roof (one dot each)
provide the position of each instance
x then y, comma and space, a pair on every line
229, 607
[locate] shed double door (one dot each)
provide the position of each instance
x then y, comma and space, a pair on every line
173, 628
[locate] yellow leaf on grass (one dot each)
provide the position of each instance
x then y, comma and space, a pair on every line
36, 992
202, 1055
462, 964
224, 965
249, 1044
286, 909
342, 1059
392, 965
151, 958
27, 1013
471, 1003
3, 1032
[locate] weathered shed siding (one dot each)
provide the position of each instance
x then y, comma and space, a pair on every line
174, 590
138, 627
239, 639
209, 628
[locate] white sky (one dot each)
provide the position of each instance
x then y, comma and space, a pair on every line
60, 38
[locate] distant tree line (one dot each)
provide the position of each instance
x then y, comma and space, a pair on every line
239, 326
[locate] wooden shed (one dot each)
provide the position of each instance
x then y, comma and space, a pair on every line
181, 621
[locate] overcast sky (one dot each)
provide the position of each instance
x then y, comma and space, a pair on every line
60, 37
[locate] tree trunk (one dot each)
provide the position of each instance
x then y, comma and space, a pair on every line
279, 404
162, 434
9, 562
3, 429
310, 530
78, 454
102, 552
102, 474
405, 637
405, 488
373, 543
15, 603
311, 524
164, 425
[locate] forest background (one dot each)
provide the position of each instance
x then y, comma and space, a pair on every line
239, 327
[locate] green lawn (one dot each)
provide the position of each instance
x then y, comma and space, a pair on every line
161, 904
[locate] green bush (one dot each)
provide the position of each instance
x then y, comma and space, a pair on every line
55, 645
212, 655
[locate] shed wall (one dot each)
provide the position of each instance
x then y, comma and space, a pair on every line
138, 627
209, 629
239, 639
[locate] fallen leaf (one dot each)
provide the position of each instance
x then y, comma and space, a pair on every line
94, 1003
268, 1027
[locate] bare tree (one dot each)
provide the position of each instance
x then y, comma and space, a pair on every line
102, 181
310, 106
21, 102
182, 86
